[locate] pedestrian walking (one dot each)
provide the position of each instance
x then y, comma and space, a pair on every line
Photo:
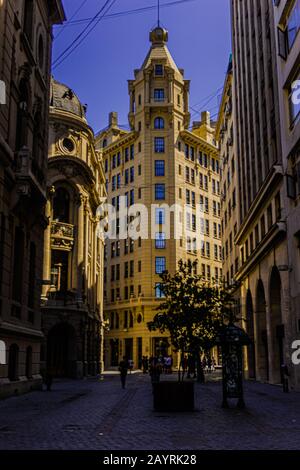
123, 368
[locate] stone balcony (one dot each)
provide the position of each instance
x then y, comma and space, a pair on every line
62, 236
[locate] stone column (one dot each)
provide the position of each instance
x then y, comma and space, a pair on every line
47, 251
80, 248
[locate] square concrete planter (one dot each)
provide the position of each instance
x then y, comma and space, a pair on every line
173, 396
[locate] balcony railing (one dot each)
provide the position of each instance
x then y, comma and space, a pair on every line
62, 236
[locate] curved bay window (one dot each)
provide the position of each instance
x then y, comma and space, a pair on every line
61, 206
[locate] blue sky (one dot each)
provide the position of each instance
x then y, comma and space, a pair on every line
199, 40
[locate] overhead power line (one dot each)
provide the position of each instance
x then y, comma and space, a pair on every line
84, 33
73, 16
129, 12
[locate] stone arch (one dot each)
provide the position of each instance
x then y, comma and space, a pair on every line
250, 331
262, 361
61, 350
276, 326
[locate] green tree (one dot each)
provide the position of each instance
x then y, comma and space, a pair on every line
193, 311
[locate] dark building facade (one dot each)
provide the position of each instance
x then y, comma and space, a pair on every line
25, 59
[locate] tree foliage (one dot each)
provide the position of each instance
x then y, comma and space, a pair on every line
193, 311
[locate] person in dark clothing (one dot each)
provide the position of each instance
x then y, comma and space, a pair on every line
123, 368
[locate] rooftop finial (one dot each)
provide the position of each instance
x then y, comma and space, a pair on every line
158, 13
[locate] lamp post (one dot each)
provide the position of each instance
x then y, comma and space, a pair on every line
232, 339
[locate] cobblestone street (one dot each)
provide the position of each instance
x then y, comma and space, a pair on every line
87, 415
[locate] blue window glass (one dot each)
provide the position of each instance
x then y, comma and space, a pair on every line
126, 176
119, 159
113, 183
114, 160
160, 216
160, 191
118, 181
132, 197
160, 264
159, 144
159, 168
159, 291
159, 70
159, 123
132, 152
132, 174
159, 94
160, 241
126, 154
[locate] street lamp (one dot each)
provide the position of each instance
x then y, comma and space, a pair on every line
232, 339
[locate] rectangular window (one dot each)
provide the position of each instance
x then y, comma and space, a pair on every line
126, 266
113, 183
159, 291
160, 265
187, 174
159, 216
160, 241
118, 159
126, 154
118, 181
132, 152
159, 94
159, 168
126, 176
131, 268
131, 197
132, 174
159, 70
159, 192
159, 144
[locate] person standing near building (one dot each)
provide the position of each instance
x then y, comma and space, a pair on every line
123, 368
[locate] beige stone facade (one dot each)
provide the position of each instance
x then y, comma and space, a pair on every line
72, 302
25, 56
269, 257
160, 161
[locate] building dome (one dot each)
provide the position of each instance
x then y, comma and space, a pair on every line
63, 98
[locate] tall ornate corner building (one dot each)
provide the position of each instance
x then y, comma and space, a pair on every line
265, 62
158, 163
25, 57
72, 302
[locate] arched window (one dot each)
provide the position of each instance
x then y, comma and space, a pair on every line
61, 206
159, 123
13, 363
29, 362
